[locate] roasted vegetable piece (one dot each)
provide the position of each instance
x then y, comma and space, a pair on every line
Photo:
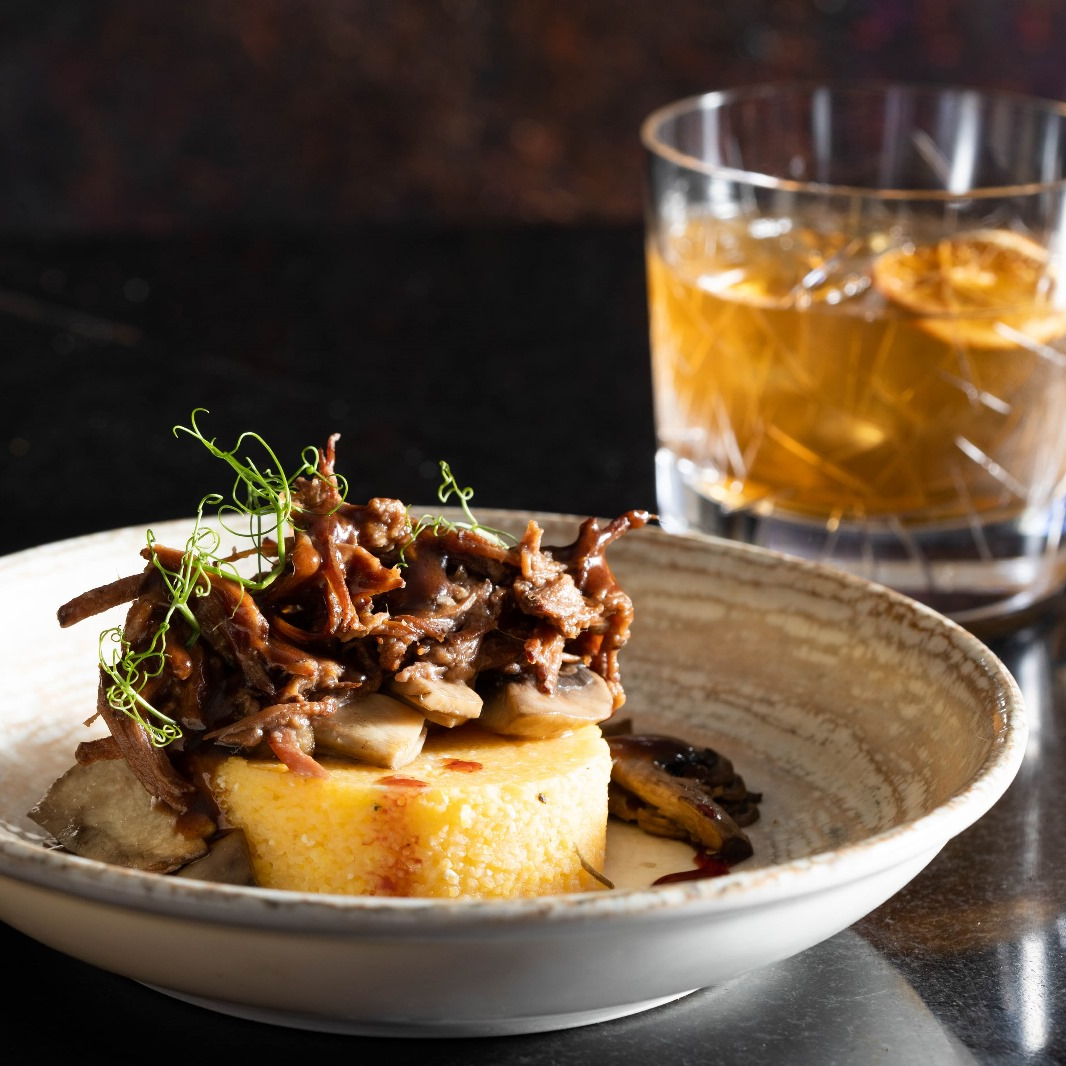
99, 810
670, 788
228, 861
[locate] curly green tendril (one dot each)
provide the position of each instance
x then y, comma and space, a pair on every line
449, 487
260, 510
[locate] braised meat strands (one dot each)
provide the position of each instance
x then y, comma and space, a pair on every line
355, 631
365, 604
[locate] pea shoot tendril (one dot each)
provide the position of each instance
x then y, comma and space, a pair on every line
259, 509
449, 487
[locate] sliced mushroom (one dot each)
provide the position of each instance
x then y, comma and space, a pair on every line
227, 862
664, 785
446, 703
623, 804
519, 708
99, 810
372, 728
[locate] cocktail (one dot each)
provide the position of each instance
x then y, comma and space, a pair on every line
858, 332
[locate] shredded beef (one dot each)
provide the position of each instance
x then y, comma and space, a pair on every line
361, 598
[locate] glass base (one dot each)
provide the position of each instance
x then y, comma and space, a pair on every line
968, 571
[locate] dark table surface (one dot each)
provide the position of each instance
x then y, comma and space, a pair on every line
520, 357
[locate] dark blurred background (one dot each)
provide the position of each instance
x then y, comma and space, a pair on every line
119, 115
416, 222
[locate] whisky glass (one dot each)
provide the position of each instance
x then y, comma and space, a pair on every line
858, 332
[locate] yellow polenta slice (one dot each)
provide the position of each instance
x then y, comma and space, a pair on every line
475, 815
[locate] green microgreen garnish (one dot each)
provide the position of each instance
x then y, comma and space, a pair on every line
260, 509
261, 499
130, 671
449, 487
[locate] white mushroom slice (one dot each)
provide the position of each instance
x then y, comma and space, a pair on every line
518, 708
373, 728
99, 810
446, 703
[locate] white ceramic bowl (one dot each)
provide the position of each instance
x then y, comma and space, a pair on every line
875, 729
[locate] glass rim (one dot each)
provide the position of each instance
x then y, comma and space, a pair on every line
655, 146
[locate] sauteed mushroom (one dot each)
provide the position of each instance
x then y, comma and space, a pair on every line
520, 708
99, 810
228, 862
445, 703
670, 788
373, 728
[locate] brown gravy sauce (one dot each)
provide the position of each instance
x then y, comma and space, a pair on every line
706, 866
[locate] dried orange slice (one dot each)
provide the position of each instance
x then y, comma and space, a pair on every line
985, 289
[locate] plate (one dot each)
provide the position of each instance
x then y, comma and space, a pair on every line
876, 730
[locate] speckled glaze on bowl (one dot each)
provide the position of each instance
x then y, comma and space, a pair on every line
876, 730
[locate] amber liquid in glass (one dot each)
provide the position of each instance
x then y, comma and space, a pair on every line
803, 373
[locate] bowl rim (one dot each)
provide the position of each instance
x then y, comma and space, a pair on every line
34, 863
